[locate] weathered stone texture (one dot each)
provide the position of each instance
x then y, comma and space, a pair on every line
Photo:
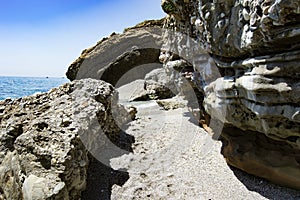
255, 45
45, 138
112, 57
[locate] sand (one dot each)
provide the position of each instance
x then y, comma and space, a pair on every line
173, 158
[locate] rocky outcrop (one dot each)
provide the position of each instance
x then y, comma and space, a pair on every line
238, 28
135, 52
256, 100
160, 85
139, 45
45, 139
241, 58
157, 84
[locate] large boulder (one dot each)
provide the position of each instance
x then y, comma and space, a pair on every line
45, 139
160, 84
112, 57
256, 100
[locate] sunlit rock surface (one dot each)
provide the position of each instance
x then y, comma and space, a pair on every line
256, 99
45, 139
242, 59
137, 46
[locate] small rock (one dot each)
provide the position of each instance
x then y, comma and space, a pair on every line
246, 15
58, 187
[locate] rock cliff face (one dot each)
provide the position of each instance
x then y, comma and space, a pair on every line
241, 57
139, 45
45, 139
256, 47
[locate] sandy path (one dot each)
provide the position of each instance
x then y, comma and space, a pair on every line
175, 159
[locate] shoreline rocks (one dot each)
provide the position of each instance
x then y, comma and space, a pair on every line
139, 45
255, 46
242, 60
45, 139
244, 72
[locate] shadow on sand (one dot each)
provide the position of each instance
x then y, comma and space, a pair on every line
253, 183
264, 187
101, 178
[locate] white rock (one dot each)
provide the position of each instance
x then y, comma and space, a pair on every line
246, 15
34, 188
58, 187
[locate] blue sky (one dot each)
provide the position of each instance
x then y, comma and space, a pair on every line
42, 37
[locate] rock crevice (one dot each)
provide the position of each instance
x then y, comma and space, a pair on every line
46, 139
255, 46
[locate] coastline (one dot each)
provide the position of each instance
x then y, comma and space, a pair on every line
17, 86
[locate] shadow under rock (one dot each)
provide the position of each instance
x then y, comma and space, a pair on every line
264, 187
194, 118
101, 178
191, 117
253, 183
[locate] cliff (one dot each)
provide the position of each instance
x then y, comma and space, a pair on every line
255, 100
241, 58
233, 67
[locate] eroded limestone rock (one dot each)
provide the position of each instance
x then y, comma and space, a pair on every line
245, 63
160, 85
112, 57
45, 138
255, 45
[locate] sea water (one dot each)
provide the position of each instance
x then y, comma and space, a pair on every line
15, 87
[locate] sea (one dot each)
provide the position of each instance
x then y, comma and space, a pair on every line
16, 87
